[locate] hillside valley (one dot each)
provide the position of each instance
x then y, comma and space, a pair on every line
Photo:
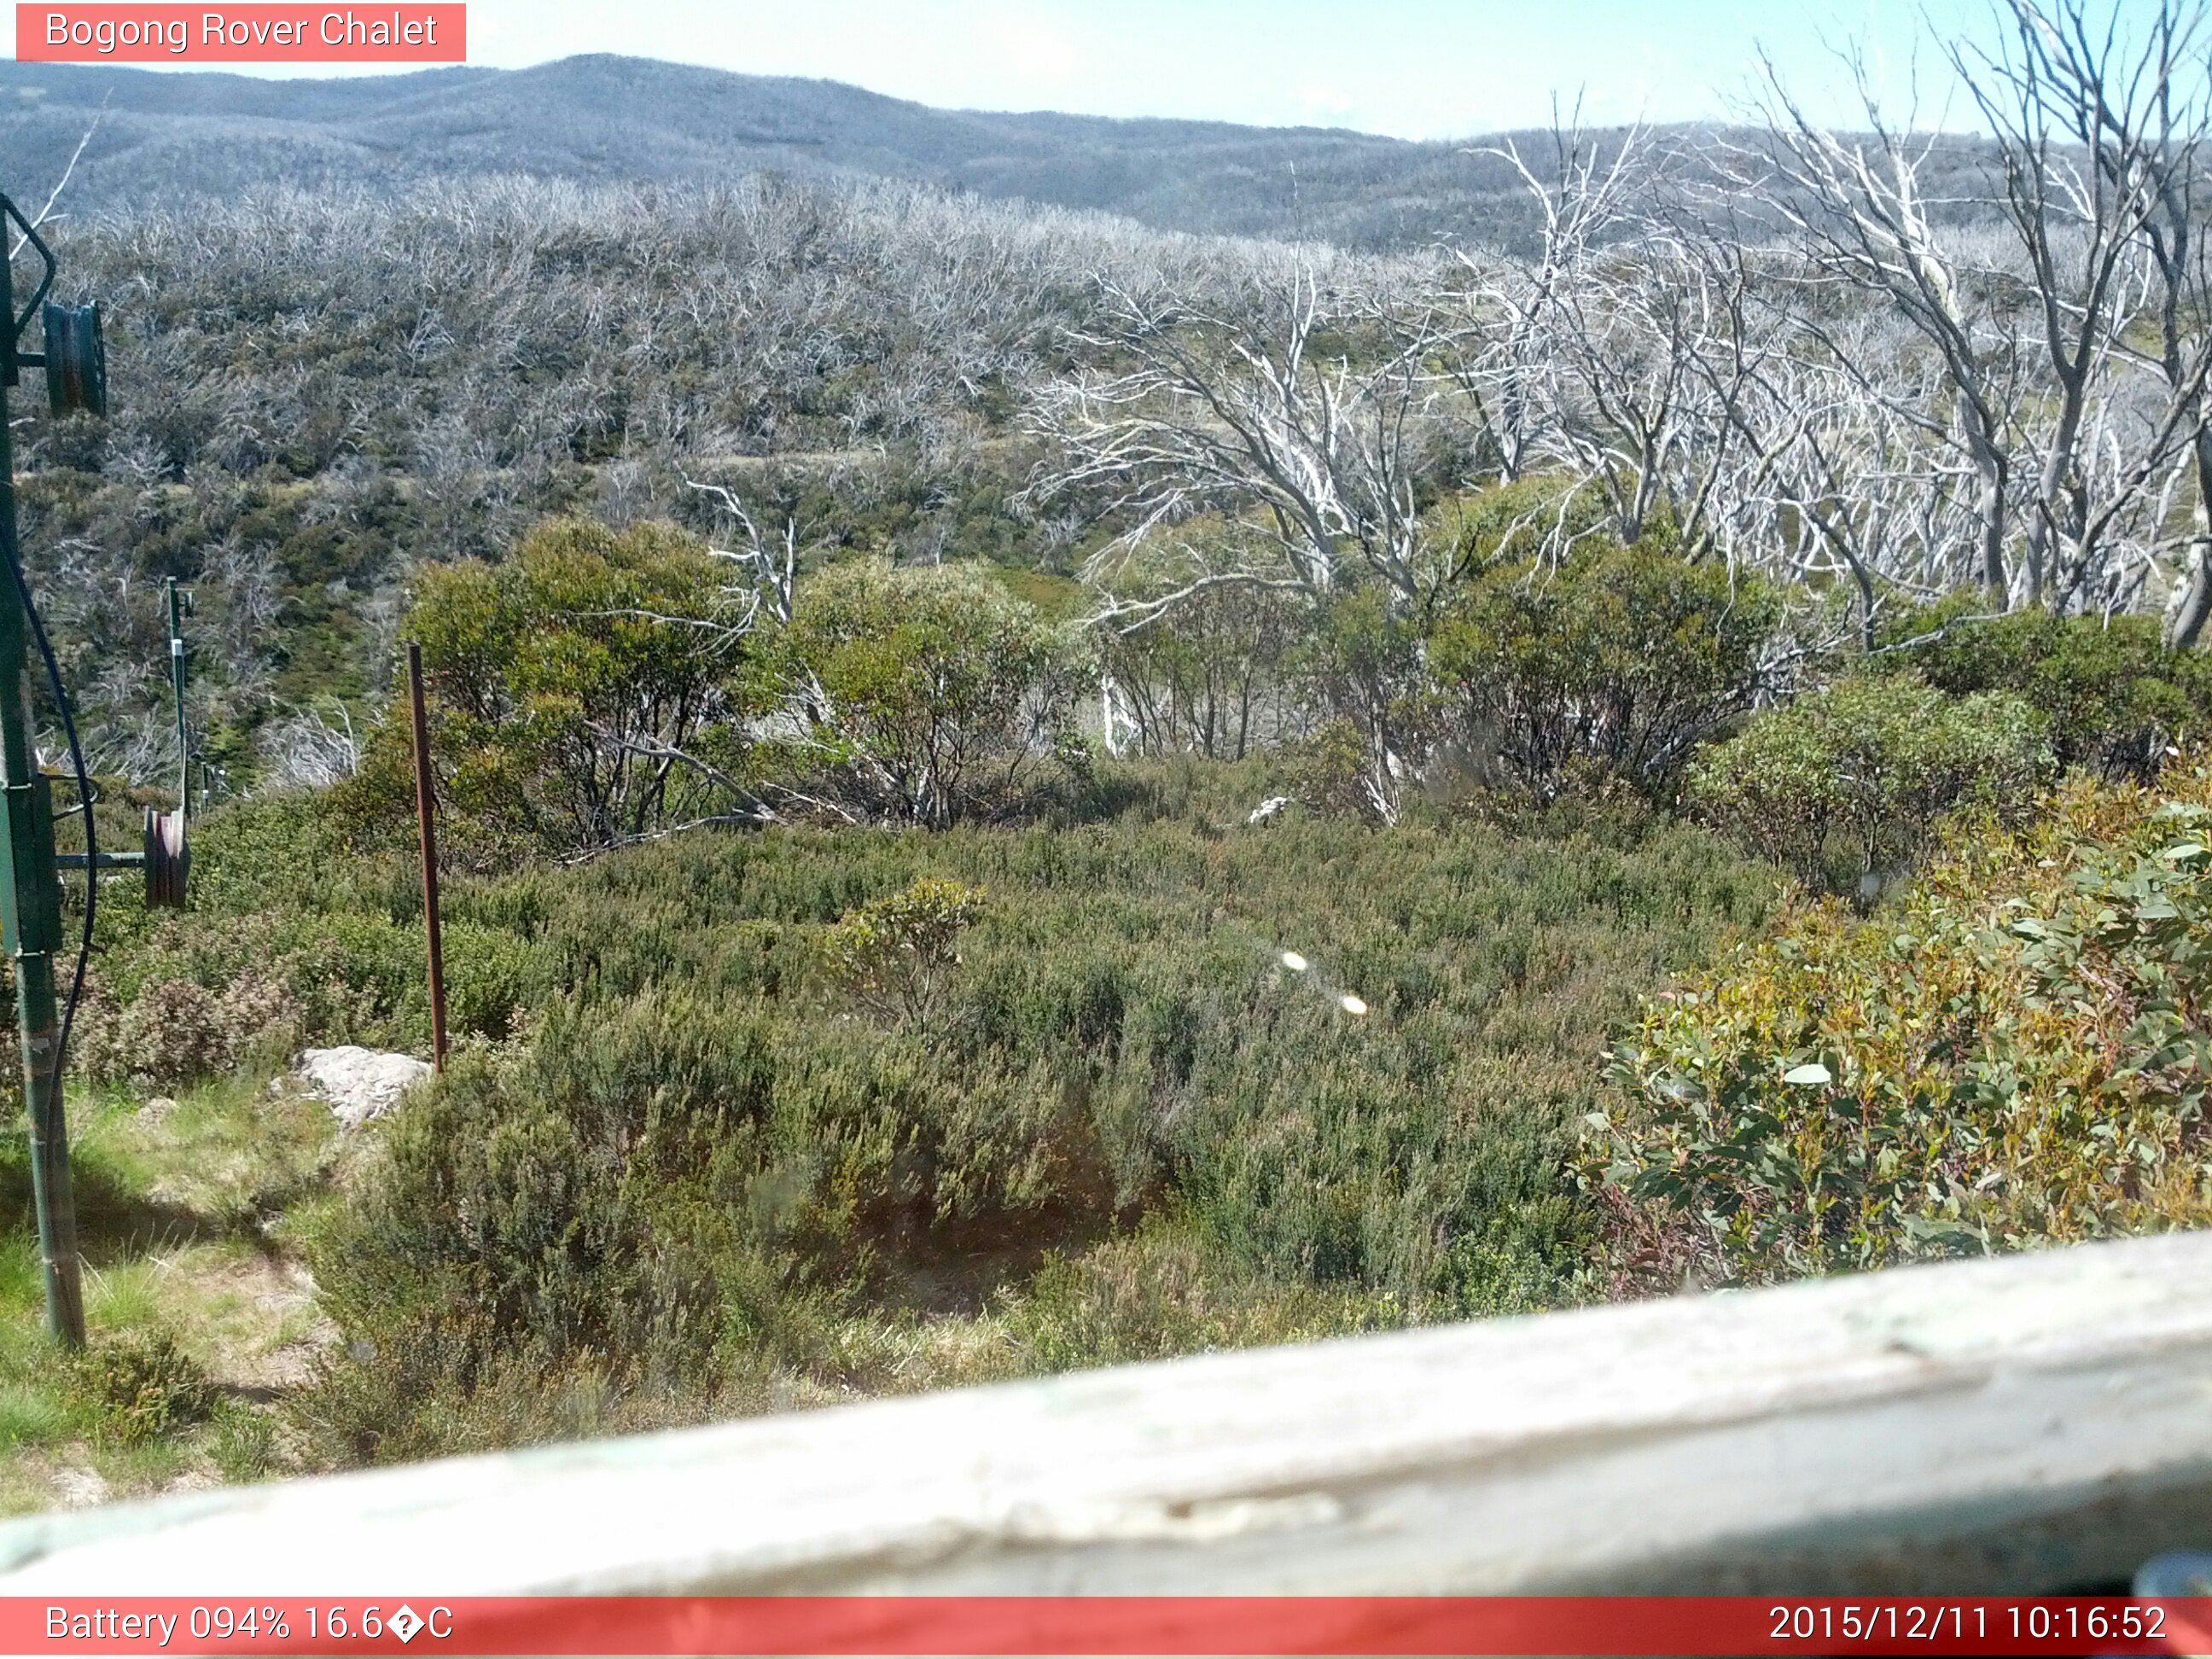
1059, 741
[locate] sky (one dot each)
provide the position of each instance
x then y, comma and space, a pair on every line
1413, 69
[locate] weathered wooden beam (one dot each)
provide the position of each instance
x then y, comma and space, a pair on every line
2038, 1423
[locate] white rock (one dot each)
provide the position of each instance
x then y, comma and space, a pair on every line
80, 1488
1269, 808
359, 1084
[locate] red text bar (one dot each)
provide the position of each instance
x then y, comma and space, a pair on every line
242, 34
1103, 1625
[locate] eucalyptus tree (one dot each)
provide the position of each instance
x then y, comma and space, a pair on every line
2097, 128
1863, 218
1302, 404
2069, 334
1505, 354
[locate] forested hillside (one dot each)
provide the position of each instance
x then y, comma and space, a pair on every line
313, 393
1023, 789
626, 120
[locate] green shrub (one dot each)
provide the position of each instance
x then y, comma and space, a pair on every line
1361, 671
1845, 786
1617, 664
562, 682
2116, 698
647, 1176
923, 695
527, 1183
1335, 771
1211, 673
144, 1388
488, 974
2018, 1054
176, 1032
897, 954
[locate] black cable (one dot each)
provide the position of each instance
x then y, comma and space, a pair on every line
84, 797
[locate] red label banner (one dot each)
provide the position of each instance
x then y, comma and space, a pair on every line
1103, 1625
308, 33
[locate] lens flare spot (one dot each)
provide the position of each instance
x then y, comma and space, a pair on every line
1294, 962
1351, 1004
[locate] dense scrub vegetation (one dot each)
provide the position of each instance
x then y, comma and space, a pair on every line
739, 1117
752, 1117
2015, 1053
315, 394
834, 1016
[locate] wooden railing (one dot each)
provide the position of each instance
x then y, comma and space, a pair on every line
2039, 1422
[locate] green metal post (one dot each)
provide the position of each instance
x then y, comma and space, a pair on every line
30, 931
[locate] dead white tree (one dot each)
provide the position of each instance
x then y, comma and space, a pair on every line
1659, 346
46, 215
1833, 485
766, 568
1303, 417
2096, 127
308, 749
1307, 414
1862, 219
1505, 353
2071, 340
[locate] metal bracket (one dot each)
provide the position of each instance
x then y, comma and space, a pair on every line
10, 358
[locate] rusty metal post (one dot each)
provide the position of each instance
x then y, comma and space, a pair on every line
425, 800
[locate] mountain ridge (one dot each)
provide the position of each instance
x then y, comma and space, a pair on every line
604, 117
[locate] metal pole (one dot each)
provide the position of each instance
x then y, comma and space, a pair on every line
177, 680
423, 801
30, 929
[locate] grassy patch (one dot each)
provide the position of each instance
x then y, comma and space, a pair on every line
198, 1319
